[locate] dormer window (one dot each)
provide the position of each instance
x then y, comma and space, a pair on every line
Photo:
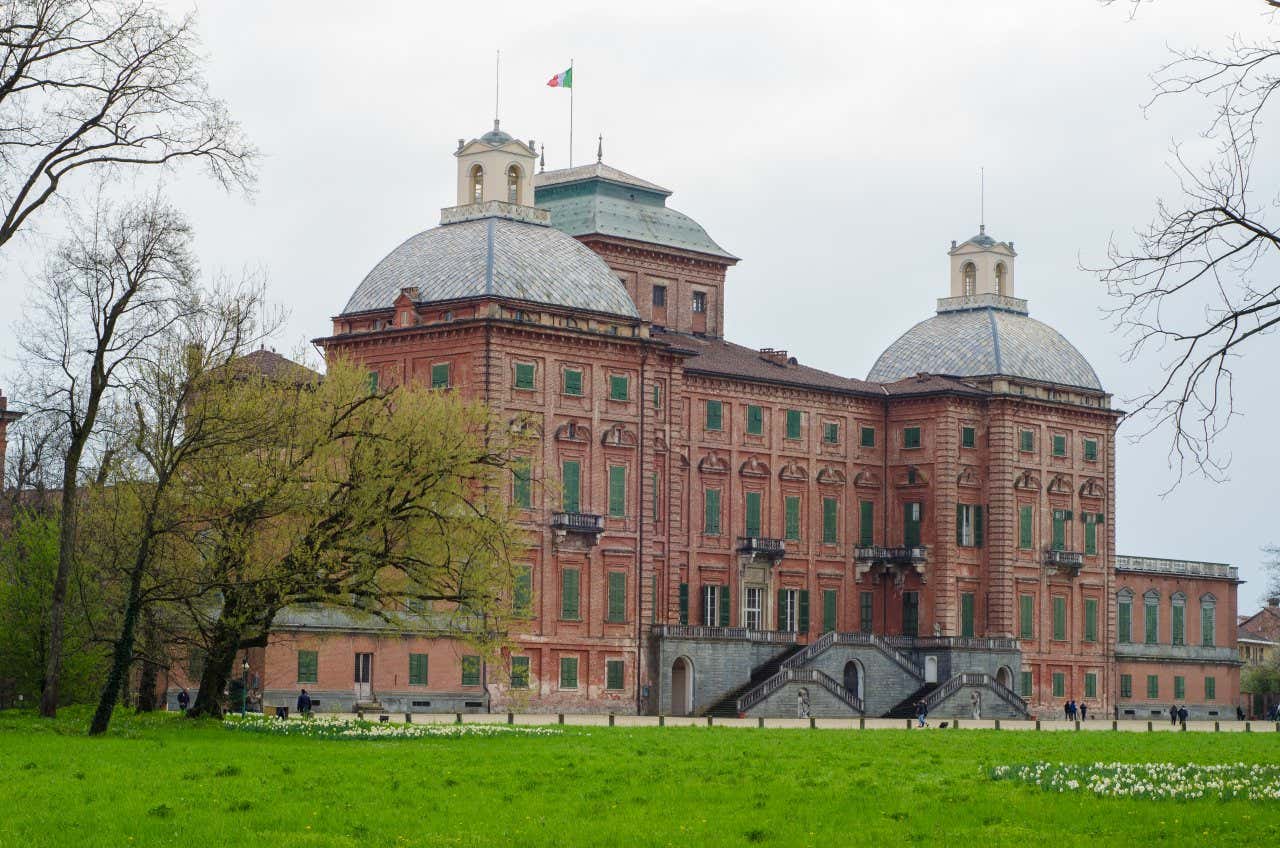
477, 184
970, 272
1000, 274
513, 184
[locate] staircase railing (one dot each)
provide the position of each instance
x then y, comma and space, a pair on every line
798, 675
827, 640
975, 678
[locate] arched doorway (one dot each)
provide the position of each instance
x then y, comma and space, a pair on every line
682, 687
853, 678
930, 669
1004, 677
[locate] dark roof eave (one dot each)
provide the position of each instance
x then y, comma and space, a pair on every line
875, 390
722, 258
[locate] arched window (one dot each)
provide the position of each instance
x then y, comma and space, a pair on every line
1178, 619
1000, 278
1124, 616
1151, 617
1208, 603
477, 183
513, 184
970, 275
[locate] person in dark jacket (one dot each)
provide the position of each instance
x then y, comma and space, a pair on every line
304, 703
1084, 711
1182, 717
922, 713
1173, 714
184, 700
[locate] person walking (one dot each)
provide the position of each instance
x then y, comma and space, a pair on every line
184, 700
1173, 714
1182, 716
1066, 711
304, 704
1084, 711
922, 713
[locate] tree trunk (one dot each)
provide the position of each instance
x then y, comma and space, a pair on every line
149, 678
223, 645
66, 551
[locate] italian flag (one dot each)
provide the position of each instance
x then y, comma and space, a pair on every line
562, 80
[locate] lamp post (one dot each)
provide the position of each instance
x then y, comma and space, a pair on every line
244, 687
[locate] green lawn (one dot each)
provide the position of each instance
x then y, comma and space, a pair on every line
167, 782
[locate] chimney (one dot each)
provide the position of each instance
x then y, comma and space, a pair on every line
777, 357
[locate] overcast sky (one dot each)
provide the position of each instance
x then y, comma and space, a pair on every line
833, 146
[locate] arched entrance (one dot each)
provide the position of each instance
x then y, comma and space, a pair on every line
930, 669
1004, 677
853, 678
682, 687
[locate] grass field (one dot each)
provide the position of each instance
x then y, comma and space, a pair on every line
162, 781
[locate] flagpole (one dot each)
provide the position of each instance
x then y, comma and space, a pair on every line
571, 87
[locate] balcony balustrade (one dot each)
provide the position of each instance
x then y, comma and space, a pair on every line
1068, 562
774, 549
580, 528
875, 554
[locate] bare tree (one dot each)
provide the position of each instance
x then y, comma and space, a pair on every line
1200, 286
99, 85
104, 297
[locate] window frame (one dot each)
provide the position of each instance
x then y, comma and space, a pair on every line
911, 438
522, 369
565, 383
717, 419
566, 663
619, 387
968, 437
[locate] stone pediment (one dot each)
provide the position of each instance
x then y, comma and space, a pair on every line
793, 471
829, 475
753, 467
1092, 488
572, 431
713, 463
659, 442
1027, 480
1060, 485
866, 480
526, 425
968, 477
911, 476
619, 436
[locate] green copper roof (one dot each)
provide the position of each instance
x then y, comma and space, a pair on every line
600, 200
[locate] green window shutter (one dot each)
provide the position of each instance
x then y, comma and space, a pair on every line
657, 396
968, 437
1090, 450
519, 672
966, 615
1059, 445
1210, 688
911, 437
1090, 538
417, 669
793, 423
619, 387
524, 375
570, 480
568, 672
868, 437
753, 513
569, 590
711, 512
1124, 617
1151, 622
1026, 684
373, 381
866, 607
617, 597
755, 420
521, 490
830, 517
440, 375
715, 415
613, 674
1090, 684
910, 613
1153, 686
793, 518
471, 670
1206, 626
1179, 687
573, 382
617, 491
828, 610
867, 528
803, 611
1059, 684
1090, 620
831, 433
1059, 530
912, 513
1024, 527
959, 524
1177, 632
522, 602
977, 525
1126, 686
724, 606
684, 603
1060, 619
782, 610
1026, 616
1026, 441
308, 666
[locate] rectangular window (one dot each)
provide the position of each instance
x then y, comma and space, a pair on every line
868, 437
522, 599
1210, 688
1206, 625
417, 669
794, 420
1091, 684
440, 375
715, 605
657, 501
1090, 620
1026, 616
1060, 530
752, 503
1059, 619
1177, 630
568, 672
829, 608
830, 516
1090, 534
910, 613
524, 375
1024, 527
831, 433
619, 387
373, 381
792, 531
699, 302
684, 603
866, 607
471, 670
573, 382
969, 525
617, 491
617, 611
308, 666
753, 608
571, 483
1059, 445
659, 295
793, 610
570, 580
867, 525
1027, 684
1151, 621
966, 615
613, 674
755, 421
711, 512
968, 437
715, 415
657, 396
1124, 619
912, 513
1090, 450
1059, 684
1179, 687
1026, 441
519, 672
911, 437
521, 488
1126, 686
1153, 686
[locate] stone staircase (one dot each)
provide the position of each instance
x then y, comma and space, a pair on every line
727, 707
906, 708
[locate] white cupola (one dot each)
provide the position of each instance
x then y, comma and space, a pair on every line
982, 265
495, 166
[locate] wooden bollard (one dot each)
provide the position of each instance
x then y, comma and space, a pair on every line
1115, 725
1148, 727
1215, 727
760, 722
1077, 724
457, 718
997, 724
1037, 724
560, 718
862, 722
662, 720
611, 719
1248, 727
813, 722
709, 722
408, 718
908, 724
511, 718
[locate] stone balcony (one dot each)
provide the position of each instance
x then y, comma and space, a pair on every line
762, 546
907, 556
576, 529
1064, 562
